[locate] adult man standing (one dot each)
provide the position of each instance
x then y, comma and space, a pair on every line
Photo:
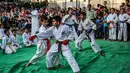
35, 24
90, 13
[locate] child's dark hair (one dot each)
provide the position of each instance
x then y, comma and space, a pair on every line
44, 18
70, 8
5, 31
122, 9
23, 20
112, 9
14, 30
83, 13
25, 29
37, 32
57, 18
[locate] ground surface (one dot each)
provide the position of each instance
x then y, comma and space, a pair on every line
117, 59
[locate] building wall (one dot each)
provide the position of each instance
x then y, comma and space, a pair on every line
69, 3
83, 3
110, 3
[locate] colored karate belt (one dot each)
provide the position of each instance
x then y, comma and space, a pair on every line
59, 47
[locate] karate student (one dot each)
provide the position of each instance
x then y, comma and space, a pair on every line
43, 45
35, 22
6, 43
1, 31
25, 37
128, 21
122, 31
43, 21
14, 40
63, 34
10, 31
112, 20
88, 28
70, 20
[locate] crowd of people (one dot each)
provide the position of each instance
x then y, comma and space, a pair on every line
20, 18
41, 24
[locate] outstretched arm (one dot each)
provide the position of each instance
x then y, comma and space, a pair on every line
46, 34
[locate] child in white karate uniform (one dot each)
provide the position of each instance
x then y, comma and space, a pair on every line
43, 45
63, 34
1, 31
25, 37
70, 20
112, 20
14, 40
88, 28
6, 44
122, 31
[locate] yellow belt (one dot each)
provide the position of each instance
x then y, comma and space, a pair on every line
9, 44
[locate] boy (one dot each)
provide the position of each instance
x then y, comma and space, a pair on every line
63, 34
43, 45
105, 26
88, 32
10, 31
99, 27
25, 37
6, 44
1, 31
70, 20
14, 40
123, 17
112, 20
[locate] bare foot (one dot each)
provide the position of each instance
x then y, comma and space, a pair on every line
60, 66
102, 53
28, 64
51, 68
78, 72
80, 50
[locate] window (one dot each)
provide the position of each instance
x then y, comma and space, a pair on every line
71, 0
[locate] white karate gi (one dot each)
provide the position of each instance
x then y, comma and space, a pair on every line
15, 42
35, 22
122, 31
26, 40
1, 33
86, 25
70, 22
60, 34
36, 40
6, 45
41, 47
112, 30
129, 20
42, 28
10, 33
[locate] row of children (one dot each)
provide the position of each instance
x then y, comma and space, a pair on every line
113, 26
10, 42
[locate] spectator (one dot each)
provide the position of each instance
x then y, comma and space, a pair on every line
91, 14
105, 25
